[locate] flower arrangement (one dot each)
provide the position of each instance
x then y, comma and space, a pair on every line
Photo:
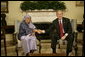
39, 5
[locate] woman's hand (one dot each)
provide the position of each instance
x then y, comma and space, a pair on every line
35, 30
39, 31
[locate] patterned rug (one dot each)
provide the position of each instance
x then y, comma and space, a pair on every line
58, 54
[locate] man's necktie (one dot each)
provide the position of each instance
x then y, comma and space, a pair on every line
61, 29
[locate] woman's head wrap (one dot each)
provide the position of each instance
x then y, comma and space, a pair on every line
26, 16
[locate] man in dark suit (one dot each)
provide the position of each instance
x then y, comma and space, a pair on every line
61, 29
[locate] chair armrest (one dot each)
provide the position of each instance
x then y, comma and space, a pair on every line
15, 33
82, 30
15, 37
76, 31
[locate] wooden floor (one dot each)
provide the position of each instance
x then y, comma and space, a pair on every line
59, 54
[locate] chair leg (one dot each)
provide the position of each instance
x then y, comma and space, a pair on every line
5, 47
58, 46
76, 48
39, 46
16, 50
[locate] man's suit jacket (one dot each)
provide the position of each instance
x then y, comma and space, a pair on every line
55, 32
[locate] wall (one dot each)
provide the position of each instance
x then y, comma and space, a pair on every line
74, 12
15, 13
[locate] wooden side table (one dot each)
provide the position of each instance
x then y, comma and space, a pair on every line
6, 30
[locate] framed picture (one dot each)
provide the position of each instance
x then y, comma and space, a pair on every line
4, 6
79, 3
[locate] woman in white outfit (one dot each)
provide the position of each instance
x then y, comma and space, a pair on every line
27, 35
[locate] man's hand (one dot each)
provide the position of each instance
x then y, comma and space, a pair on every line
64, 36
43, 31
